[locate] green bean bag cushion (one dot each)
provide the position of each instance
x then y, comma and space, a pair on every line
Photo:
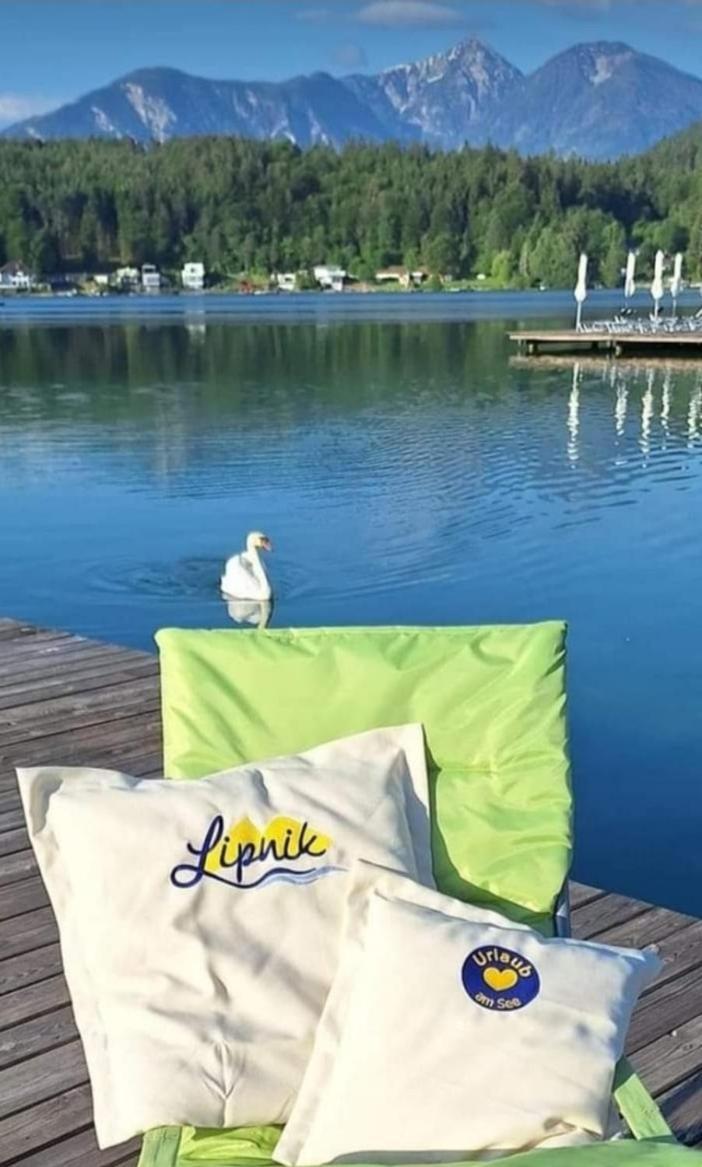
492, 703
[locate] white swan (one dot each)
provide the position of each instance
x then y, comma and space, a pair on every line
244, 575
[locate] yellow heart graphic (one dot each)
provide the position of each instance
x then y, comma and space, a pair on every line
499, 979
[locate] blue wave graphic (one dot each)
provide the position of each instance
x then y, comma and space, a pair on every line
303, 877
278, 875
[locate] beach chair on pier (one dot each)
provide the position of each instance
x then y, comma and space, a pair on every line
492, 702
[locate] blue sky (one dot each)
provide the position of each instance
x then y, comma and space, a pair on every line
55, 50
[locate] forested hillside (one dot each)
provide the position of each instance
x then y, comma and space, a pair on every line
245, 206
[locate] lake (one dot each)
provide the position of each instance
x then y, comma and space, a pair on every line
409, 470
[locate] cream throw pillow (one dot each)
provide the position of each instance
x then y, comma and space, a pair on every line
200, 921
450, 1033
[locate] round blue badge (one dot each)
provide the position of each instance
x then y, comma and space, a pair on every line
499, 979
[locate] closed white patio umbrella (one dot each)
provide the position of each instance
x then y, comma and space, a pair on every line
657, 285
581, 290
630, 278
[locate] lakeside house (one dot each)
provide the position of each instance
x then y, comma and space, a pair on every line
60, 282
150, 278
127, 278
285, 281
15, 277
330, 277
192, 276
402, 276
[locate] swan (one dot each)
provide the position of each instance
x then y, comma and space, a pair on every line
244, 575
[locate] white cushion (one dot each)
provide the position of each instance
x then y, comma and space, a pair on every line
198, 952
450, 1033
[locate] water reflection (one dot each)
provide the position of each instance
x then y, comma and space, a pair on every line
574, 415
197, 331
666, 399
693, 416
257, 613
416, 476
676, 385
647, 414
620, 408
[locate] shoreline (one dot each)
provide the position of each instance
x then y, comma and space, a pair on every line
197, 309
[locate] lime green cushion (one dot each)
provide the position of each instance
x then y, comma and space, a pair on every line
491, 700
170, 1147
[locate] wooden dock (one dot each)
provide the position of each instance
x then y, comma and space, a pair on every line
65, 699
618, 344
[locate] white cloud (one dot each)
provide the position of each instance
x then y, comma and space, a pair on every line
15, 107
397, 13
445, 13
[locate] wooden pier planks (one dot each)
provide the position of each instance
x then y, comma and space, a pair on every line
569, 340
67, 699
74, 701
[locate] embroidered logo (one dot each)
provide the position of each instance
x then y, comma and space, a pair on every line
285, 851
500, 979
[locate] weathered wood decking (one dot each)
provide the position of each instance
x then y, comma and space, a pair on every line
569, 340
70, 700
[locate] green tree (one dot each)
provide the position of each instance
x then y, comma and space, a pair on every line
614, 243
44, 254
554, 258
439, 252
695, 248
502, 270
88, 239
241, 205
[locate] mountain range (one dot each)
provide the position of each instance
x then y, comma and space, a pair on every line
598, 100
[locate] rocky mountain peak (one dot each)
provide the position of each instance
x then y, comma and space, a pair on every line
598, 100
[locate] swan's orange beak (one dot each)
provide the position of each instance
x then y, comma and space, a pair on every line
266, 544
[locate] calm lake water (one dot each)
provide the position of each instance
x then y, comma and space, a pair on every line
409, 472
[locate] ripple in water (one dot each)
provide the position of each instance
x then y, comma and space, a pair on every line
406, 474
192, 578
